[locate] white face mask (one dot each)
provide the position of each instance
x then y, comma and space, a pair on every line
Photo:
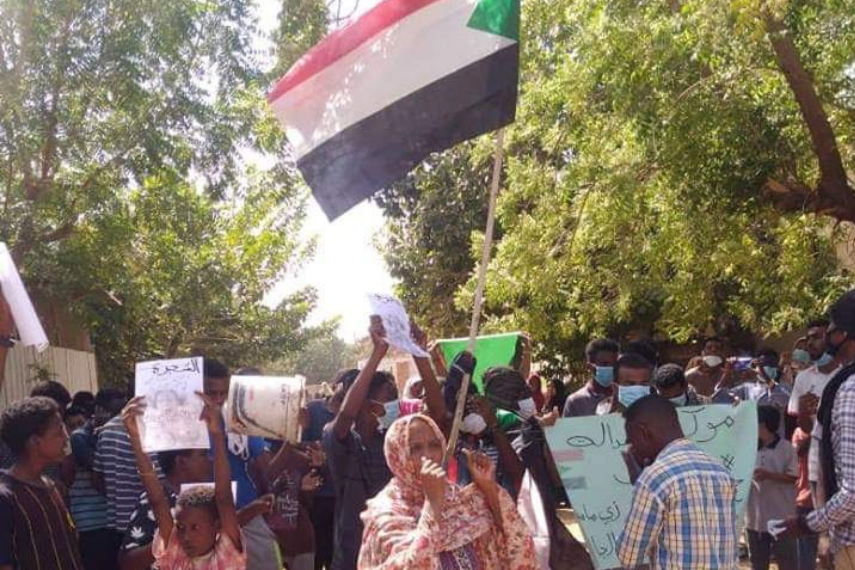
473, 424
680, 400
527, 408
712, 360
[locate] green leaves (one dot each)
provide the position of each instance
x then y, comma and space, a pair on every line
128, 134
635, 197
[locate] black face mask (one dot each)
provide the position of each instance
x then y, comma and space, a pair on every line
832, 348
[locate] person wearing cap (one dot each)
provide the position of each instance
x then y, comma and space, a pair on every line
836, 415
670, 382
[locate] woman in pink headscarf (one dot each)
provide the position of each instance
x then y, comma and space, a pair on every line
420, 521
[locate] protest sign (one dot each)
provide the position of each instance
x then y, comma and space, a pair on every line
587, 452
171, 417
186, 486
266, 406
490, 350
396, 322
23, 313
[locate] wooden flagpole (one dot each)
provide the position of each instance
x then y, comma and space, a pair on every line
498, 158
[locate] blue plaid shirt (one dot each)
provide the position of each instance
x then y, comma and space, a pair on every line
838, 515
683, 513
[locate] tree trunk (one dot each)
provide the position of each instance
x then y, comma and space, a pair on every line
833, 196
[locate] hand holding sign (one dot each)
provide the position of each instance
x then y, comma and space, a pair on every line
173, 408
396, 324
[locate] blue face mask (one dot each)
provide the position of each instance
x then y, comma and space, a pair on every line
393, 412
627, 395
802, 356
824, 360
604, 375
771, 372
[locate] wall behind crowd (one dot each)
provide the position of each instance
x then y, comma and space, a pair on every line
75, 369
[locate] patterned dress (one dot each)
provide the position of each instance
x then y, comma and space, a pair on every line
399, 535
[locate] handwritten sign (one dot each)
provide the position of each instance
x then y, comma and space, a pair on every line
26, 320
171, 418
266, 406
396, 322
588, 454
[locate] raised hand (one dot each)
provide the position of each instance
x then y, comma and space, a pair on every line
316, 454
433, 482
211, 414
378, 335
311, 482
134, 409
481, 469
549, 419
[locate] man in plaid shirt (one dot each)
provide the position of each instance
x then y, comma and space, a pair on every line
683, 512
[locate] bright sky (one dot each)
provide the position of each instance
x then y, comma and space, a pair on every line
346, 266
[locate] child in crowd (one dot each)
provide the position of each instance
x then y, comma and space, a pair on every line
772, 495
36, 529
205, 534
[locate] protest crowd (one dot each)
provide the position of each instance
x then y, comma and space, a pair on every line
369, 484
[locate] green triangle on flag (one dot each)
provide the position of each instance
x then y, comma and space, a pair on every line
500, 17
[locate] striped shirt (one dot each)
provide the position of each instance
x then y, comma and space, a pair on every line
114, 460
683, 513
88, 506
837, 516
36, 530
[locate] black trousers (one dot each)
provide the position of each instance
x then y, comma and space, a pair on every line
323, 521
99, 549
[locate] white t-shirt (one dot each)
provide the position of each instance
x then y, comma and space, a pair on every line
810, 381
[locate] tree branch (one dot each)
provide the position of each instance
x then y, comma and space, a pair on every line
834, 195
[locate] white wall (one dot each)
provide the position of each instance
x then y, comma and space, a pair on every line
74, 369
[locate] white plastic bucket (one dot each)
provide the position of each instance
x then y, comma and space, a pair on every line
266, 406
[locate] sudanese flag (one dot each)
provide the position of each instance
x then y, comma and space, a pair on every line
408, 78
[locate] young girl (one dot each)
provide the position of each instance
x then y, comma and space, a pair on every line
204, 535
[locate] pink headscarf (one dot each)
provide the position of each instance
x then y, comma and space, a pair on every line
393, 519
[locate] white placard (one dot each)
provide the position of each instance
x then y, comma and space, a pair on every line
26, 320
187, 486
266, 406
396, 322
171, 418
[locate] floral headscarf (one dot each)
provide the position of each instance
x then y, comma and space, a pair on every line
398, 537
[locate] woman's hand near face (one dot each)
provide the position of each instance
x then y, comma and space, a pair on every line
433, 483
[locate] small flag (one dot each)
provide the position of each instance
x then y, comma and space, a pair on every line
408, 78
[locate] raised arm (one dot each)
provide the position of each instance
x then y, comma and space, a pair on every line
213, 418
433, 393
357, 393
512, 465
156, 497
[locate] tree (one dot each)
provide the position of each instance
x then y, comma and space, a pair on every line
430, 219
675, 168
321, 359
127, 138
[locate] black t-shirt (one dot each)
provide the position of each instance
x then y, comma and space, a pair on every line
36, 529
143, 524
